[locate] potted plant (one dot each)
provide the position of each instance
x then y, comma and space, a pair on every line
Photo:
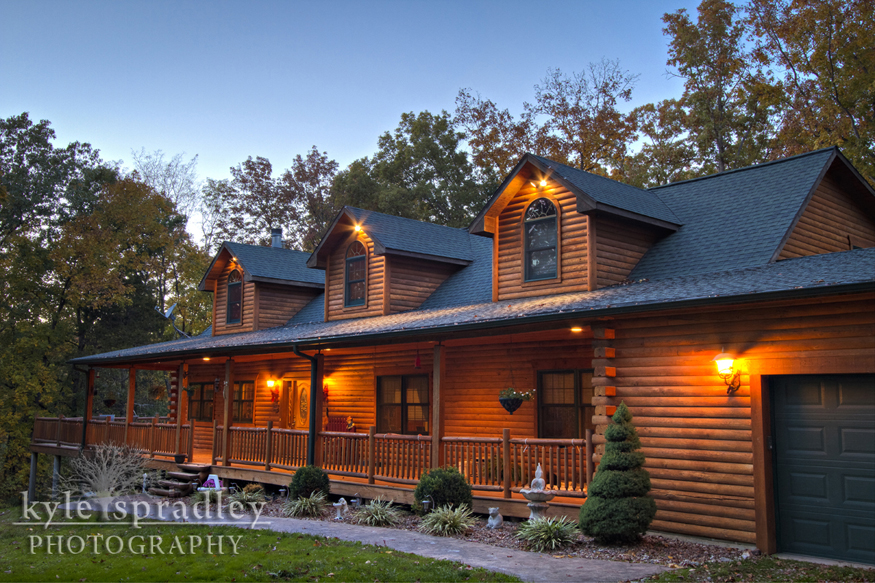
511, 399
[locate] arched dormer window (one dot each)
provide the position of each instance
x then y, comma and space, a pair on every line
540, 230
356, 273
235, 297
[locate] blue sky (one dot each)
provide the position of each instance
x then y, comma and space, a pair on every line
227, 80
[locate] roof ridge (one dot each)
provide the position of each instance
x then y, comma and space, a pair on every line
254, 246
751, 167
620, 182
417, 221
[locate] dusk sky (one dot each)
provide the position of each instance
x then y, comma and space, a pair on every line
227, 80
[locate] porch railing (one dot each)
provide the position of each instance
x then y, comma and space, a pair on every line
401, 458
58, 430
345, 454
147, 436
262, 446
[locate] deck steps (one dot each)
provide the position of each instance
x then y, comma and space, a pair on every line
181, 483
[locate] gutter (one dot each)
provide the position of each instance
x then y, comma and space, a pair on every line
453, 329
311, 430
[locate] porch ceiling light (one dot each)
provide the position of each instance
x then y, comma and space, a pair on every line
577, 329
206, 359
543, 183
727, 371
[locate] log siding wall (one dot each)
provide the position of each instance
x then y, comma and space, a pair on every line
411, 281
571, 240
698, 439
335, 280
619, 246
278, 303
830, 217
220, 305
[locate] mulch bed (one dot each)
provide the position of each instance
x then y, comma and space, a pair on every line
651, 549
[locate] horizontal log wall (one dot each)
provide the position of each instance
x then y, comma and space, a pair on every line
335, 280
278, 303
475, 375
826, 222
619, 246
697, 439
411, 281
572, 240
220, 310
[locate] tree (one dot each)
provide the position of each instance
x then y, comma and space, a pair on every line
309, 181
666, 154
584, 128
419, 172
826, 51
617, 508
174, 178
731, 106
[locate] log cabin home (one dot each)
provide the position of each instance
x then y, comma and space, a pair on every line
382, 353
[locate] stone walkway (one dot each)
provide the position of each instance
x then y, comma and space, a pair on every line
535, 567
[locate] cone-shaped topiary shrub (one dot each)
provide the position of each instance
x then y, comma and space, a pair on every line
307, 480
617, 508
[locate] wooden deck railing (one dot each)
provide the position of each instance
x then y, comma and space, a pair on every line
499, 464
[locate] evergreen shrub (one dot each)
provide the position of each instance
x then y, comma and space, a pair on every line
307, 480
444, 486
617, 508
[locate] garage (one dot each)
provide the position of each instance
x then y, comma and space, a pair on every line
824, 443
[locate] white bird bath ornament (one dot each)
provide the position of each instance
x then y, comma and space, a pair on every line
341, 507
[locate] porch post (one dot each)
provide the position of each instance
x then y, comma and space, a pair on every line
89, 406
318, 404
129, 408
228, 394
56, 474
181, 409
437, 430
31, 483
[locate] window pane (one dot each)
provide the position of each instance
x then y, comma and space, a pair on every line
558, 422
542, 264
557, 388
541, 234
417, 419
357, 291
234, 292
417, 390
389, 419
390, 390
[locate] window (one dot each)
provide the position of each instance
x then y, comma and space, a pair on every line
200, 406
539, 226
235, 297
402, 404
244, 401
564, 403
356, 268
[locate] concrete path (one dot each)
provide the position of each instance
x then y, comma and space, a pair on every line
535, 567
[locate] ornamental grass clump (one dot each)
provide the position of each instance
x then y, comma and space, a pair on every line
312, 505
307, 480
548, 534
617, 508
442, 487
447, 521
377, 512
207, 497
250, 494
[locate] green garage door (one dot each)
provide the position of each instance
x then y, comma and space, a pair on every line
825, 465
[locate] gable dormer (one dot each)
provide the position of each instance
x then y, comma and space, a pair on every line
256, 287
838, 215
377, 264
559, 230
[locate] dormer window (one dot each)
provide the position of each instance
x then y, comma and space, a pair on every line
540, 228
235, 297
356, 272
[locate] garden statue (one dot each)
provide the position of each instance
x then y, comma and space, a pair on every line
495, 518
537, 496
341, 507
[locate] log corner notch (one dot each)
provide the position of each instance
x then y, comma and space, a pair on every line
603, 377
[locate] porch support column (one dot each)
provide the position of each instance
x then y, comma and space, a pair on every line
437, 430
228, 395
181, 404
31, 483
89, 405
318, 408
56, 474
129, 407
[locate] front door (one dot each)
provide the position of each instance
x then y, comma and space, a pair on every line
824, 431
301, 405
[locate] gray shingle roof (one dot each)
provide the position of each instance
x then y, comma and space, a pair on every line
731, 220
801, 275
275, 263
616, 194
400, 234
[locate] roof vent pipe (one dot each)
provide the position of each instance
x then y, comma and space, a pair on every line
276, 238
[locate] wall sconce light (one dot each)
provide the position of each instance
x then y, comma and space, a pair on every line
727, 371
358, 228
543, 183
270, 383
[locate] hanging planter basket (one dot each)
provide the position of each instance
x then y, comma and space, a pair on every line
510, 405
109, 402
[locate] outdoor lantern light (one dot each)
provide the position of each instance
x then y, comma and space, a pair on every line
358, 228
726, 370
543, 182
270, 383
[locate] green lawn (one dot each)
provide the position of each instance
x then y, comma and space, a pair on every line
766, 569
262, 556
